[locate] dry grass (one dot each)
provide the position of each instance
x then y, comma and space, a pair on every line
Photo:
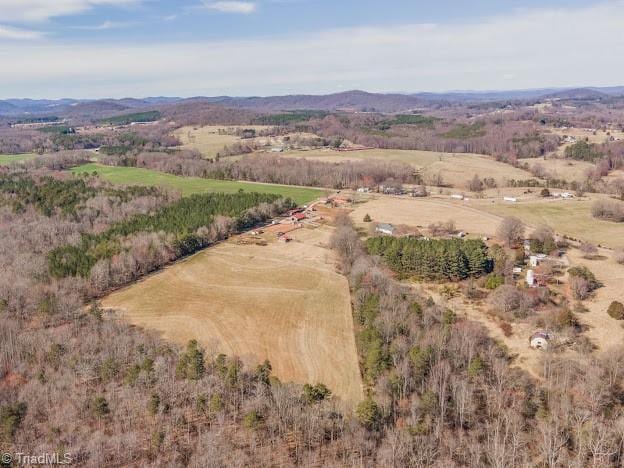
560, 168
571, 217
456, 169
604, 331
207, 140
282, 302
422, 212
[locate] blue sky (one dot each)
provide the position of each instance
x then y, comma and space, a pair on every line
117, 48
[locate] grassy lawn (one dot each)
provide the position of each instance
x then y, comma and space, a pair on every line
6, 159
191, 185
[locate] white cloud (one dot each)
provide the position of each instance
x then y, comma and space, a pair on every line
106, 25
232, 7
18, 34
530, 49
26, 11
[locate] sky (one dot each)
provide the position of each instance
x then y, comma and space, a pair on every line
138, 48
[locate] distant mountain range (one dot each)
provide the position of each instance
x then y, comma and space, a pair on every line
349, 100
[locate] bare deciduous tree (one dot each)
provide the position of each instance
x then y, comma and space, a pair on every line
511, 231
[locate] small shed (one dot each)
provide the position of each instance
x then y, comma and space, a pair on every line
534, 260
510, 199
457, 197
539, 340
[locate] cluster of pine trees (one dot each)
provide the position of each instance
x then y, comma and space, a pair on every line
182, 219
433, 259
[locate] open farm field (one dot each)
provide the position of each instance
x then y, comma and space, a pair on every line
559, 168
604, 331
190, 185
422, 212
482, 216
207, 140
456, 169
6, 159
281, 302
571, 217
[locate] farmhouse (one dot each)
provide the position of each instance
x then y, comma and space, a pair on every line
539, 340
387, 229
